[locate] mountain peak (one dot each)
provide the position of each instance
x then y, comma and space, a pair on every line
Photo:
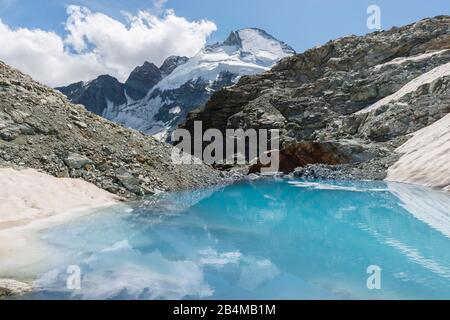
259, 43
145, 69
171, 63
105, 78
142, 79
96, 94
233, 39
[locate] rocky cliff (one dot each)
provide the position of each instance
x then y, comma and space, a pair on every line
41, 129
353, 100
97, 94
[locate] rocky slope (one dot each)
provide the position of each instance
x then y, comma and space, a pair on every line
346, 104
41, 129
155, 100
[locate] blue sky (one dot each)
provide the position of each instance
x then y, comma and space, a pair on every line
300, 23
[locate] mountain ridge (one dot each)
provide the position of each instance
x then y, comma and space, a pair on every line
182, 84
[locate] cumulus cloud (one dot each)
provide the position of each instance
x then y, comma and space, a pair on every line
97, 44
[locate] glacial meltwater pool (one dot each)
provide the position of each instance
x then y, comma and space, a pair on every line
268, 239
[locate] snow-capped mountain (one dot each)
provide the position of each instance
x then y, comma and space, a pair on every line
180, 84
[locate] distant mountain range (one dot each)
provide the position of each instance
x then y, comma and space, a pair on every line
155, 100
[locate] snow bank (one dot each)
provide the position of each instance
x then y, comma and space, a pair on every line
428, 77
28, 195
415, 58
425, 157
31, 201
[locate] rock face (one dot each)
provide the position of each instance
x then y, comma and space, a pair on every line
142, 79
97, 94
41, 129
171, 63
371, 90
160, 98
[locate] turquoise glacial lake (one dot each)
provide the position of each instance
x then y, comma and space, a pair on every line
267, 239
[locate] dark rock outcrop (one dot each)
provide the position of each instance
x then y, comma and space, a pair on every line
95, 94
142, 79
171, 63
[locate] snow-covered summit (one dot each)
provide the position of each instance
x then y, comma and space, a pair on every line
245, 52
261, 45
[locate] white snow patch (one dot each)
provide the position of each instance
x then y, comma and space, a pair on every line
207, 64
413, 85
175, 110
426, 157
161, 135
418, 57
109, 111
129, 99
262, 47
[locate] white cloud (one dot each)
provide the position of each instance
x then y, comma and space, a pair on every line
96, 44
